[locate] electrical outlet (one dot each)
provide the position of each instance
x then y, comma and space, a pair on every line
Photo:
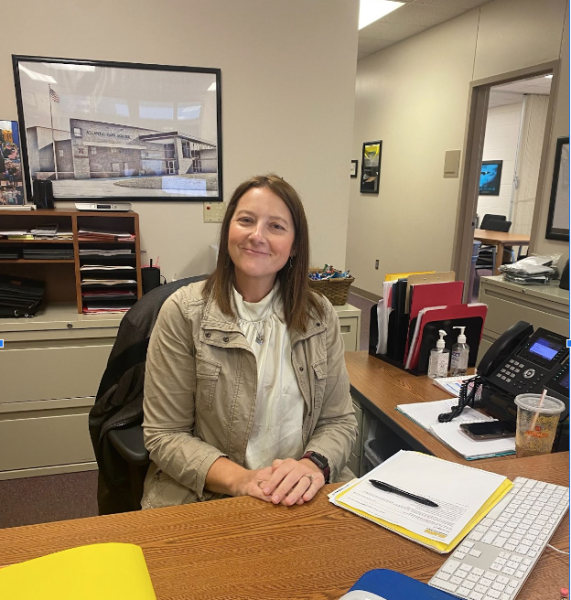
377, 264
213, 212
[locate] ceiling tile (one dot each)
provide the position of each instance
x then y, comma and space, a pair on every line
423, 14
465, 4
390, 31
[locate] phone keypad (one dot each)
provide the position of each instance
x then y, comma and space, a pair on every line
510, 373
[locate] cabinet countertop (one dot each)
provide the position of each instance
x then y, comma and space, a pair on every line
546, 292
58, 316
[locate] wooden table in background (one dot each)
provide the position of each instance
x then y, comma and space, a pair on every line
500, 239
245, 549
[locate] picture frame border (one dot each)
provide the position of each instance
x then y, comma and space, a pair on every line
552, 233
17, 58
355, 169
380, 144
500, 164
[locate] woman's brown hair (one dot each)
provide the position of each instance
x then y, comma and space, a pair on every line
297, 298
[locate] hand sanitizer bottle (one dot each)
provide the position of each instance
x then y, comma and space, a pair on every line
439, 358
460, 353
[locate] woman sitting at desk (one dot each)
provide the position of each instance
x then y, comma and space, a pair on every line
246, 390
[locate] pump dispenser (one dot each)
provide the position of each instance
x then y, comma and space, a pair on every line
460, 354
439, 358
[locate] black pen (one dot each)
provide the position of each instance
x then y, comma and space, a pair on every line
393, 490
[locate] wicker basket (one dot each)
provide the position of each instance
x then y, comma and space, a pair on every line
335, 290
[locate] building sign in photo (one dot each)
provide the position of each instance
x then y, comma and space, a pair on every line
116, 130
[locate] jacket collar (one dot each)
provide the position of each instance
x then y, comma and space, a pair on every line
214, 319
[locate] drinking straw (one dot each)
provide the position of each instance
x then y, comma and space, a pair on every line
536, 415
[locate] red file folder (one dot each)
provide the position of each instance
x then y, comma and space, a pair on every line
457, 313
426, 295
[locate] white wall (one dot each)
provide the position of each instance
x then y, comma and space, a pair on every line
500, 143
414, 97
288, 75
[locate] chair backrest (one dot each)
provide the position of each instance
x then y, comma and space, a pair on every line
494, 225
487, 218
119, 400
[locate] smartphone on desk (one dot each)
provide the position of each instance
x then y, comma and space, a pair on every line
488, 430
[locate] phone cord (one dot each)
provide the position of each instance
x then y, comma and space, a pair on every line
468, 393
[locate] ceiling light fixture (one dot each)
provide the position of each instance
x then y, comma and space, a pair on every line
372, 10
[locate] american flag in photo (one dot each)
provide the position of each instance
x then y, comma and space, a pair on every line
53, 96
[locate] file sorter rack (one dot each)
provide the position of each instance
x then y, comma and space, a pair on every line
63, 276
474, 329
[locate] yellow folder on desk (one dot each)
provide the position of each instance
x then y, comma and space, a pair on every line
94, 572
464, 495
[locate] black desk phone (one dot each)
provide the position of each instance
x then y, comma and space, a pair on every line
520, 361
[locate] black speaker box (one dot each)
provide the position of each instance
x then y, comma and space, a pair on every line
151, 277
42, 193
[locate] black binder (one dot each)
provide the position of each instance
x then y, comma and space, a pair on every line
20, 297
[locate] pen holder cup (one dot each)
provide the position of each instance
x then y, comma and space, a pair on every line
151, 277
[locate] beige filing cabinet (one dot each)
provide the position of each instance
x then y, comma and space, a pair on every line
350, 322
50, 369
544, 306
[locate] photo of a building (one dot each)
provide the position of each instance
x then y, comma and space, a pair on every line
110, 131
94, 150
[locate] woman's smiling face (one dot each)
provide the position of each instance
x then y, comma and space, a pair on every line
260, 237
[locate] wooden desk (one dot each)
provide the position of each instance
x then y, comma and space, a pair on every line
379, 387
241, 548
500, 239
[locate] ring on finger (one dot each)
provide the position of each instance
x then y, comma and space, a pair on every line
310, 476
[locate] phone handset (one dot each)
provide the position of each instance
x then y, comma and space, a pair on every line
496, 355
503, 347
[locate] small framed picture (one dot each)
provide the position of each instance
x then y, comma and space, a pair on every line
371, 167
11, 185
490, 177
354, 168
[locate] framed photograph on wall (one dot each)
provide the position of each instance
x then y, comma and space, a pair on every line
120, 131
490, 177
558, 216
11, 185
371, 167
354, 168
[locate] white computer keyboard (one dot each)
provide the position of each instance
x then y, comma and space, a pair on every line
497, 556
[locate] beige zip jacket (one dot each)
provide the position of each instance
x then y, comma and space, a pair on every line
200, 394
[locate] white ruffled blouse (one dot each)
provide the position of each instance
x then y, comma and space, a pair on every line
278, 418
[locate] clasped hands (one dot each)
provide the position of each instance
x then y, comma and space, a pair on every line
286, 482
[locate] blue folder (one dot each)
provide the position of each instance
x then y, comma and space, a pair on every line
390, 585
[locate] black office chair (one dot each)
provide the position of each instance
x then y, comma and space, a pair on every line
117, 414
487, 253
487, 219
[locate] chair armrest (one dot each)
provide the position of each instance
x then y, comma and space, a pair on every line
130, 445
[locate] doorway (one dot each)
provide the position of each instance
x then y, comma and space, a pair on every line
511, 157
505, 151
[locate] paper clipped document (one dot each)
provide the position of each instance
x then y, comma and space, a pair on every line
94, 572
452, 385
464, 495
